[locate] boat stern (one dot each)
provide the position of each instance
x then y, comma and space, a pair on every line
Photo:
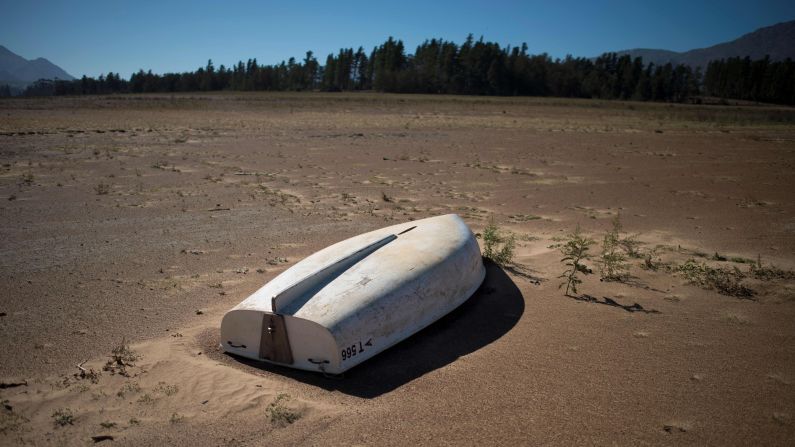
279, 339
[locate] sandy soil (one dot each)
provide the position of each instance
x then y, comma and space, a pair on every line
144, 218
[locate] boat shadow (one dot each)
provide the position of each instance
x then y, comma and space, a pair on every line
489, 314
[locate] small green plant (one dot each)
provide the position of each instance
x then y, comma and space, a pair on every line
630, 243
134, 421
612, 261
281, 415
63, 417
496, 246
107, 424
575, 251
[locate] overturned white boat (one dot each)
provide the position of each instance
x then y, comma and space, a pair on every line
356, 298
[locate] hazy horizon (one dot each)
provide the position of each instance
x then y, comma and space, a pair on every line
95, 37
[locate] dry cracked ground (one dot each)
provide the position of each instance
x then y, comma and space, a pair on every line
141, 219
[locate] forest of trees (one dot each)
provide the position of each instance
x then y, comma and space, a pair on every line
760, 80
473, 68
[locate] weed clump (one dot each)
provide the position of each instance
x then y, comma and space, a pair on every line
651, 260
496, 246
280, 414
724, 281
719, 257
102, 189
146, 399
575, 251
612, 261
166, 389
28, 178
769, 272
129, 387
630, 244
122, 356
176, 418
63, 417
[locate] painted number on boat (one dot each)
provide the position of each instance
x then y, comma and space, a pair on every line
356, 348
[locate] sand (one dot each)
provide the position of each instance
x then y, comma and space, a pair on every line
144, 218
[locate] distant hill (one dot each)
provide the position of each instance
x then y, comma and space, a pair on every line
17, 71
777, 41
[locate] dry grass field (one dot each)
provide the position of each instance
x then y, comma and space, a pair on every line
141, 219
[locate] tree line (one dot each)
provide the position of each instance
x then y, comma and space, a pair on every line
759, 80
472, 68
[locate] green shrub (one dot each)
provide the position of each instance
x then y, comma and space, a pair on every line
496, 246
724, 281
63, 417
102, 189
575, 251
121, 357
612, 261
769, 272
176, 418
281, 415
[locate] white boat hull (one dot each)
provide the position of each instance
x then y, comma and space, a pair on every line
354, 299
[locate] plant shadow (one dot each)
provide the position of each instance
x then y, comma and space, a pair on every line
486, 316
607, 301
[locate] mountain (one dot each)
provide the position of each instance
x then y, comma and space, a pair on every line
8, 78
777, 41
16, 70
41, 68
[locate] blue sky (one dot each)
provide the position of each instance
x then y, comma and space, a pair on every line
92, 37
